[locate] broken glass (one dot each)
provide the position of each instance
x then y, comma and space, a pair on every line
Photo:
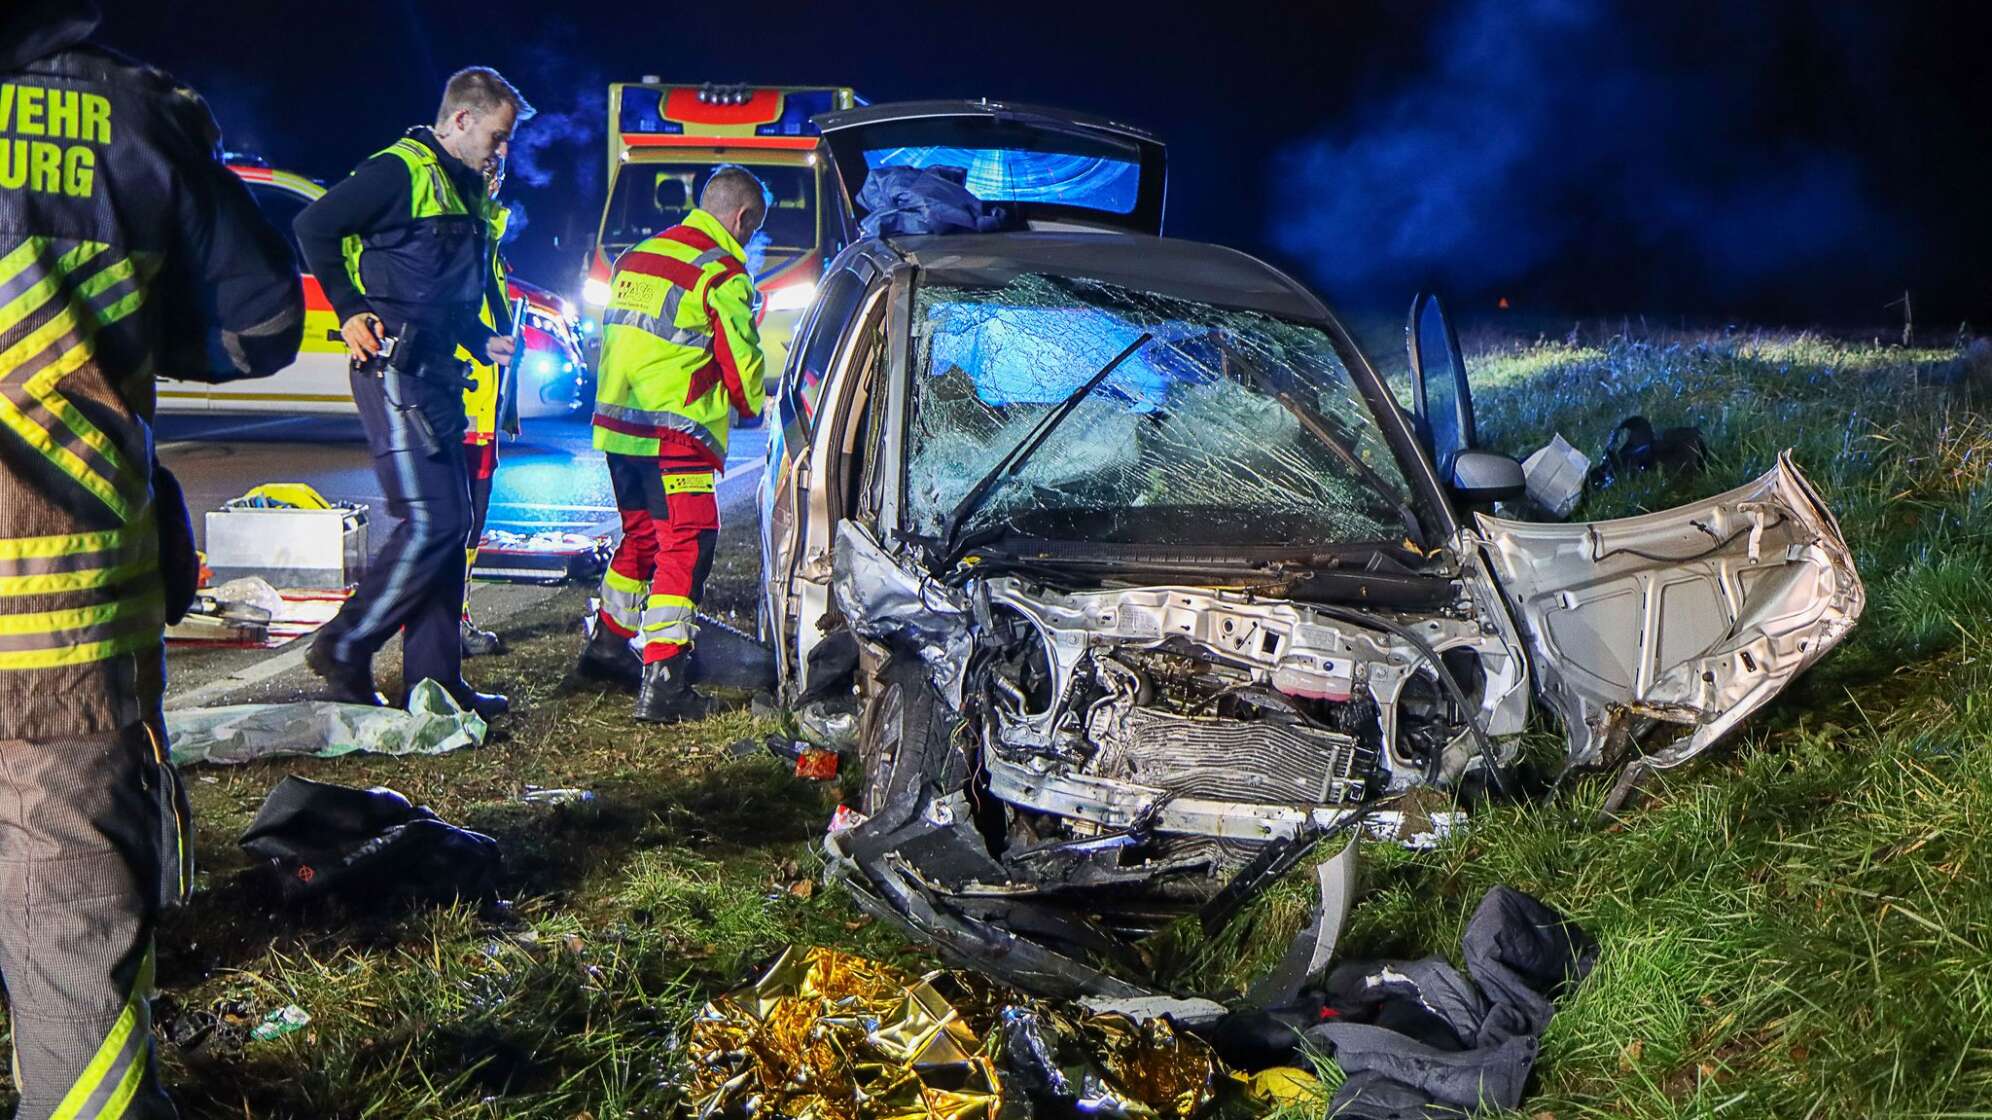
1186, 443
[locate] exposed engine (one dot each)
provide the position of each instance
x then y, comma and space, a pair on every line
1213, 714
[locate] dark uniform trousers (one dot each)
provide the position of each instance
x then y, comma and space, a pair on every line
82, 878
416, 583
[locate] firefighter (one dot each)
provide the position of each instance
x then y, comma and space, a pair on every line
680, 358
126, 250
401, 249
483, 403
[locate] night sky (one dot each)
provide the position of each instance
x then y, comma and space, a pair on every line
1784, 162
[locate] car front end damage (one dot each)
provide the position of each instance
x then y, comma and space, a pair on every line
1057, 768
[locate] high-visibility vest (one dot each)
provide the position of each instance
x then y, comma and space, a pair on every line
680, 351
418, 271
480, 400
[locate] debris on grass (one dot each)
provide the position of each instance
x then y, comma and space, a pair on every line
288, 1019
432, 724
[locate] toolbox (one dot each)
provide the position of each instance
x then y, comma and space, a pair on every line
288, 547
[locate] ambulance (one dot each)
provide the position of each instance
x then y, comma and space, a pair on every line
552, 375
665, 140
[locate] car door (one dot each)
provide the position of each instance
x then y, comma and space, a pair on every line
1442, 400
1052, 168
792, 506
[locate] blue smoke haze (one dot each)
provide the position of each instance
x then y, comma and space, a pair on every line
1544, 136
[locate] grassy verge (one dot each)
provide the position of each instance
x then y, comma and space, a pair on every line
1797, 925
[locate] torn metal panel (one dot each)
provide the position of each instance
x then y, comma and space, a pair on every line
1694, 616
1312, 949
893, 602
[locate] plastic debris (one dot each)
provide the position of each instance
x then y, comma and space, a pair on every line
1554, 476
846, 819
285, 1020
432, 724
810, 761
534, 796
832, 724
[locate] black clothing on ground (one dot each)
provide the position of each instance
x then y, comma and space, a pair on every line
1419, 1041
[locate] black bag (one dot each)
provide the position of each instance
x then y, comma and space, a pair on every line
324, 839
1633, 446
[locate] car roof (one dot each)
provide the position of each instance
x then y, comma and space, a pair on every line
1164, 265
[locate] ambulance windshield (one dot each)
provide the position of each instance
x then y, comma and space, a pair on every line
652, 197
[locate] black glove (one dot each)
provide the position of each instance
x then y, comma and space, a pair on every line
179, 564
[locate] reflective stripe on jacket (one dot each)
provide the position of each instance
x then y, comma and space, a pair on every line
680, 352
126, 252
433, 263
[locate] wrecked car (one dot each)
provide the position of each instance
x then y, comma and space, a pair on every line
1136, 574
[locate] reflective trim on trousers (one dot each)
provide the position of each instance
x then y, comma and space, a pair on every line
668, 620
418, 523
106, 1086
623, 599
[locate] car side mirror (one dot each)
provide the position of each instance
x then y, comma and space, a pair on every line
1483, 477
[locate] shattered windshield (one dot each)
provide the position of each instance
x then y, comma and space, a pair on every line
1186, 443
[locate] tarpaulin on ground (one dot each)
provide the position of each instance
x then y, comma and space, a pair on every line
432, 724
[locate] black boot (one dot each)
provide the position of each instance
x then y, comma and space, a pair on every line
479, 642
666, 695
344, 683
608, 658
489, 705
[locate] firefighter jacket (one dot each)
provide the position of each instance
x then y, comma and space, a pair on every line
679, 346
481, 400
126, 252
404, 236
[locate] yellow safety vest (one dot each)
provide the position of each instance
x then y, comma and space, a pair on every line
680, 351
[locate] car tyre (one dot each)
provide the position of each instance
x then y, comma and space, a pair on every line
906, 737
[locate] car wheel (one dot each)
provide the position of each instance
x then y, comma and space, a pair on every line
906, 738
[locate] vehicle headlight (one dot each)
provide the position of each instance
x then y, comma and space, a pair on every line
595, 293
794, 297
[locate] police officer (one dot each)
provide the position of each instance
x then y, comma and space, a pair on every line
680, 359
401, 250
126, 250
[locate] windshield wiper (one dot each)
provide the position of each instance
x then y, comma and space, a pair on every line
1349, 459
1027, 447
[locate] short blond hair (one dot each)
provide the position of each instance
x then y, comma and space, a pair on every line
481, 90
732, 187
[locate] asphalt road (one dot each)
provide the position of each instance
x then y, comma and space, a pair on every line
549, 478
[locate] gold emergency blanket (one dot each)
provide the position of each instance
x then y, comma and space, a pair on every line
825, 1035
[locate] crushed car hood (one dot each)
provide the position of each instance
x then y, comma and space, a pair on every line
1694, 616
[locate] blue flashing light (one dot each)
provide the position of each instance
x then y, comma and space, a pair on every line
797, 108
643, 111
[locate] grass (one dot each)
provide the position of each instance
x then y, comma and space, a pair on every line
1797, 925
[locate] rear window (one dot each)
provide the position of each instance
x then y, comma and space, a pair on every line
1011, 163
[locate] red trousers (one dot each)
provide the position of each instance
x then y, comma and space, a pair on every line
670, 519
